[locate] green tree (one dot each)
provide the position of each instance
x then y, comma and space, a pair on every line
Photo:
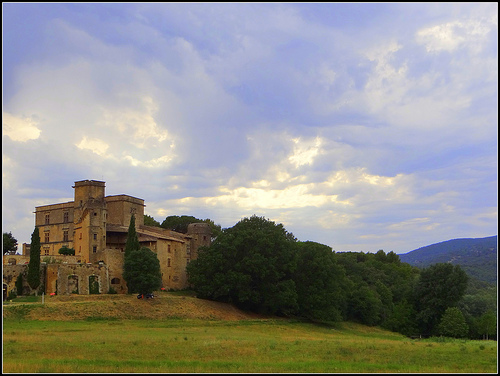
319, 282
66, 251
150, 221
250, 265
440, 286
34, 263
487, 324
142, 271
19, 284
9, 244
453, 324
179, 223
132, 243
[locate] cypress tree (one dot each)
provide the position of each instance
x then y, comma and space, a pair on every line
34, 264
132, 243
19, 284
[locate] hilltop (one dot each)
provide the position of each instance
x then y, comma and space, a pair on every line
120, 306
476, 256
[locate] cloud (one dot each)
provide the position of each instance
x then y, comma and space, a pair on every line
379, 133
18, 128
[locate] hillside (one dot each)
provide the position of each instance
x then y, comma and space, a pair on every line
477, 256
94, 307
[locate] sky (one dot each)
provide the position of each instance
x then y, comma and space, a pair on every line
361, 126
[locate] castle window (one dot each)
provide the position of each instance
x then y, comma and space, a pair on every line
80, 235
168, 262
46, 251
65, 236
47, 219
95, 213
66, 217
95, 236
47, 236
115, 281
94, 249
168, 248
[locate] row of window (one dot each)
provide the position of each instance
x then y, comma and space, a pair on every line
65, 236
65, 218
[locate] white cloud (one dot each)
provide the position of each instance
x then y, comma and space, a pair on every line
95, 145
19, 128
452, 35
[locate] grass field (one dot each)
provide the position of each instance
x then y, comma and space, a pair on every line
99, 344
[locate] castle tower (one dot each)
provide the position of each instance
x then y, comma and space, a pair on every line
90, 217
201, 235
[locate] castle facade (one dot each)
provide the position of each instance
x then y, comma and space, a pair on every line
96, 227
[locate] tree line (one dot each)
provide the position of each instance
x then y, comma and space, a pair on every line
259, 266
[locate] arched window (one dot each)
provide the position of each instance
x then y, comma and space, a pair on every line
115, 281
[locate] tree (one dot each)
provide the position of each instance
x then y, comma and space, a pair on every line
453, 324
66, 251
440, 286
132, 243
319, 282
19, 284
9, 244
34, 263
250, 265
150, 221
487, 324
142, 271
180, 224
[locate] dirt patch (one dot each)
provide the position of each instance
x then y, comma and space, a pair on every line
164, 306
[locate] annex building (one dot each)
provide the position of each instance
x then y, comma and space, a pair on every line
96, 227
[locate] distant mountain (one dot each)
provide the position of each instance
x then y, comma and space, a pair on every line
477, 257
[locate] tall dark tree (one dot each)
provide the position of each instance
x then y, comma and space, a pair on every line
250, 265
320, 283
19, 284
132, 243
9, 244
34, 263
440, 286
142, 271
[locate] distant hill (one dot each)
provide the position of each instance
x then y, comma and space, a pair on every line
477, 257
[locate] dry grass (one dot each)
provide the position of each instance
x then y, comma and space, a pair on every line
119, 306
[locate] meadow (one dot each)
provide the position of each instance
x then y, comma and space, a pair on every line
183, 345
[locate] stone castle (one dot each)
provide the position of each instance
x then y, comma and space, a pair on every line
96, 227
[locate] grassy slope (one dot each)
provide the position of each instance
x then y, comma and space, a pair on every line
119, 333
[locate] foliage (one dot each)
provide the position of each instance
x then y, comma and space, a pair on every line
132, 243
320, 283
250, 265
453, 324
150, 221
9, 244
34, 263
487, 324
142, 271
93, 284
180, 224
440, 286
66, 251
19, 284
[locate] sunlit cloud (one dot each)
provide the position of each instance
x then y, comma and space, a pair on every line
19, 129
